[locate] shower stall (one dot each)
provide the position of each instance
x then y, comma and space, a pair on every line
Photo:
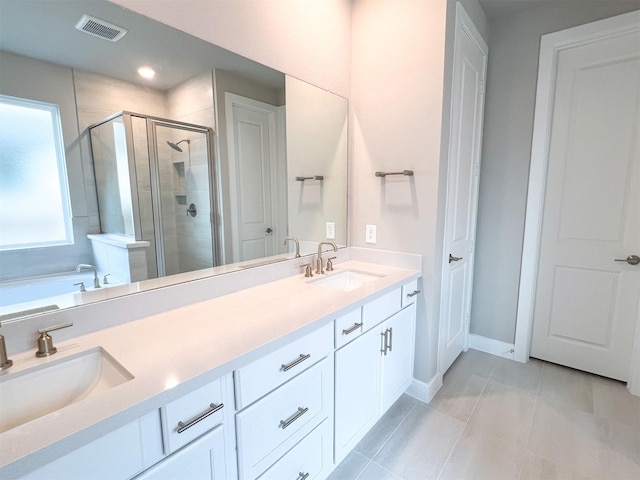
155, 183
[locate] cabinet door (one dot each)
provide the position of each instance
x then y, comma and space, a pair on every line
356, 390
118, 454
203, 459
397, 364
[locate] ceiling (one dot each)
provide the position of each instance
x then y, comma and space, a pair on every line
45, 29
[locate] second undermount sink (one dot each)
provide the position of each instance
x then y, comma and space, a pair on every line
40, 390
346, 280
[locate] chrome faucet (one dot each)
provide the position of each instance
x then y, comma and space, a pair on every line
4, 360
319, 266
286, 239
85, 266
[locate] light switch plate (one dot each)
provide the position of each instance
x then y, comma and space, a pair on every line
331, 230
370, 234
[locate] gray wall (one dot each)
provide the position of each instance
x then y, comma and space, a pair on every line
508, 127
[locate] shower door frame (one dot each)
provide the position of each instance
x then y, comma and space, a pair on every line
156, 195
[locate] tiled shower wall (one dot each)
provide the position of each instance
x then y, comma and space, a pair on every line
191, 102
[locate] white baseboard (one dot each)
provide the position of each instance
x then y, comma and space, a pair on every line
425, 391
492, 346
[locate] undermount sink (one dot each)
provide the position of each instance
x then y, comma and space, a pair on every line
346, 280
40, 390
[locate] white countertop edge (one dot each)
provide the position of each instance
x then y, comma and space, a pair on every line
289, 307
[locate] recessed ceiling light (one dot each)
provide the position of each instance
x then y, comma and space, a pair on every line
146, 72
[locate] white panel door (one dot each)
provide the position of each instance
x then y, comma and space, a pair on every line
252, 161
467, 107
586, 305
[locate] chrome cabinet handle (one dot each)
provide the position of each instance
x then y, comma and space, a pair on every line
415, 292
454, 259
390, 330
297, 361
213, 409
383, 349
301, 411
631, 260
355, 327
303, 476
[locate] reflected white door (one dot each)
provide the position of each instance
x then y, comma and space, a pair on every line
251, 127
470, 64
586, 304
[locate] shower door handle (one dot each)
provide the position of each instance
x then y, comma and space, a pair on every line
268, 230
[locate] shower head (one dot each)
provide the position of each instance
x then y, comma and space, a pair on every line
175, 145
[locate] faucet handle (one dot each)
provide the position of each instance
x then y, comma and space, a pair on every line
4, 359
330, 264
308, 271
82, 289
105, 281
45, 342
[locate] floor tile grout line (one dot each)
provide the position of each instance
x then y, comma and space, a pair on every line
394, 431
364, 469
387, 470
466, 423
536, 399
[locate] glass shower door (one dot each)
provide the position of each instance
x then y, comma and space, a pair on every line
183, 180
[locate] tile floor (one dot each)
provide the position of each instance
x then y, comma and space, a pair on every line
498, 419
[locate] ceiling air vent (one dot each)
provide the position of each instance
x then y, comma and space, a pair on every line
99, 28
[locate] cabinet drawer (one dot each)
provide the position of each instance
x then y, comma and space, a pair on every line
410, 293
310, 457
348, 327
381, 308
190, 416
262, 376
272, 426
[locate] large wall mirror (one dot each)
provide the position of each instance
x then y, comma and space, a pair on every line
113, 183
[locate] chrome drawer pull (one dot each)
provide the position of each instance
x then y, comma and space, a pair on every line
303, 476
297, 361
390, 330
415, 292
214, 408
355, 327
301, 411
384, 346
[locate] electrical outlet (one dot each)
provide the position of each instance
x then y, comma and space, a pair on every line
331, 231
370, 234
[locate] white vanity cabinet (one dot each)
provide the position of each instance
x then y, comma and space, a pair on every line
282, 420
372, 371
397, 361
356, 391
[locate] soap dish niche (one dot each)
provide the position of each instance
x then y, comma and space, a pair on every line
181, 199
179, 166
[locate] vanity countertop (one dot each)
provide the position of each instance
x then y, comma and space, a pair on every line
176, 351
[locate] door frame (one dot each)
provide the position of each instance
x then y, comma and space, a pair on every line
550, 46
463, 26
